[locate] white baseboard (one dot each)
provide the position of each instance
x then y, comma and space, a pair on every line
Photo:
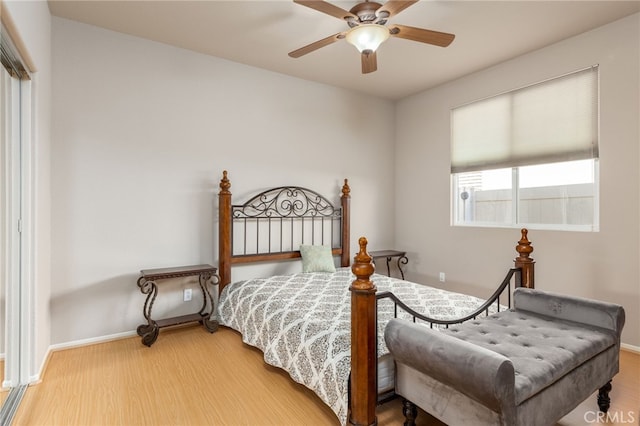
630, 348
37, 378
92, 341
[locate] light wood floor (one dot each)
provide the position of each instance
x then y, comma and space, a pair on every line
191, 377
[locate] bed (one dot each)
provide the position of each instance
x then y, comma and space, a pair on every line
325, 327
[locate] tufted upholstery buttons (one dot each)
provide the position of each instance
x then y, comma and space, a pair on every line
531, 342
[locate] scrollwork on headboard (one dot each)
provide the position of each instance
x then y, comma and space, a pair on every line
286, 202
280, 219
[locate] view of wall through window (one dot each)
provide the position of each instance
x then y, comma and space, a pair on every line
549, 194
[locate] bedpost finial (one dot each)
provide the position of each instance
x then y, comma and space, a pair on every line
346, 190
524, 262
362, 242
524, 247
224, 183
363, 267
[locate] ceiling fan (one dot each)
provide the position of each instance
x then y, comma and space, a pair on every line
367, 22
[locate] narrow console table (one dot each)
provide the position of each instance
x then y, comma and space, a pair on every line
148, 284
388, 255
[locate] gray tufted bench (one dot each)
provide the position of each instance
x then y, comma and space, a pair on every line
529, 365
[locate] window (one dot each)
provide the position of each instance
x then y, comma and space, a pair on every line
529, 157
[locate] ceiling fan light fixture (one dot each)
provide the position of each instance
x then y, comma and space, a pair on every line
367, 36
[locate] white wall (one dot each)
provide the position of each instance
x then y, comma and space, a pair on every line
142, 132
33, 22
602, 265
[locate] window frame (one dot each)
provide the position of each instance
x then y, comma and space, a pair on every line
478, 144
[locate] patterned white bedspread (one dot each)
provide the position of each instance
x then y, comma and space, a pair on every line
301, 323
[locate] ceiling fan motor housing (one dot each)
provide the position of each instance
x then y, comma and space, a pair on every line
365, 11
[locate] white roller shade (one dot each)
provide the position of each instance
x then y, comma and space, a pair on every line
552, 121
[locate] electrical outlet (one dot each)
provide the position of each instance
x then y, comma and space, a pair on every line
442, 277
186, 296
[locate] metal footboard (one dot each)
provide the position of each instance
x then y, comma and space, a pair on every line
483, 309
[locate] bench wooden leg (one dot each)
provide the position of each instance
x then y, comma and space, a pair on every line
410, 412
603, 397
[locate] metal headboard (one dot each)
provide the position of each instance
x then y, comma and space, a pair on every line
280, 219
272, 225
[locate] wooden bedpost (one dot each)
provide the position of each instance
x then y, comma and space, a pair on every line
363, 340
523, 261
346, 231
224, 237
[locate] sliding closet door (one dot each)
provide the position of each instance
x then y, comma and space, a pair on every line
3, 218
11, 215
16, 226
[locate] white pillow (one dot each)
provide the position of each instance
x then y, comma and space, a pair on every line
317, 259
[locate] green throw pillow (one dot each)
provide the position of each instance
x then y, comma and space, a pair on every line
317, 259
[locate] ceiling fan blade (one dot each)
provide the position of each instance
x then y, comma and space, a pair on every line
369, 61
316, 45
328, 8
419, 34
393, 7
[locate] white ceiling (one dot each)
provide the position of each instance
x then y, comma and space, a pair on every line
260, 33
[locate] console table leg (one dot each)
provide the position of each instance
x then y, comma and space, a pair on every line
202, 280
210, 324
148, 332
150, 337
402, 261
